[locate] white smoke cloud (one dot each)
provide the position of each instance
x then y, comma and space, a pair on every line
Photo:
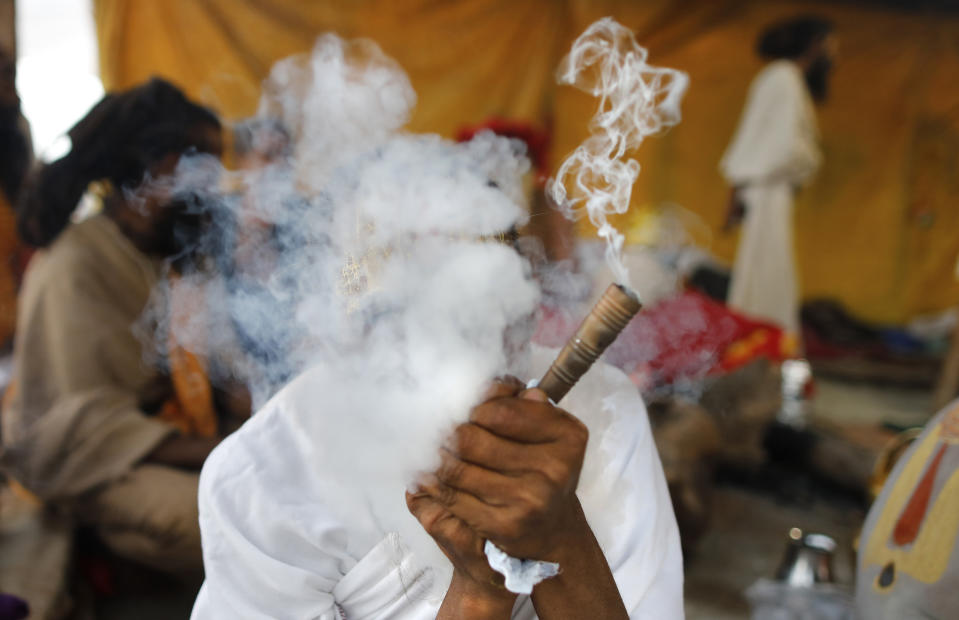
351, 269
356, 271
635, 100
364, 243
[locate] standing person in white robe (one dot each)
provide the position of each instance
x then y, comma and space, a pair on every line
774, 152
278, 545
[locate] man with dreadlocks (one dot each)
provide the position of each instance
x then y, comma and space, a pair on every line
76, 429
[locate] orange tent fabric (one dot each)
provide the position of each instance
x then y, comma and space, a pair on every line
877, 230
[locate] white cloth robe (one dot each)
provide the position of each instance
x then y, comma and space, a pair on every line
273, 548
774, 151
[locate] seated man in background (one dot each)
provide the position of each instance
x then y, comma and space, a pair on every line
88, 425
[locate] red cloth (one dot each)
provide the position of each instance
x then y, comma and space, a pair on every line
537, 140
688, 336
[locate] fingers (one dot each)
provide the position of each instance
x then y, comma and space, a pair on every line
502, 387
468, 508
490, 487
474, 444
461, 544
426, 509
534, 394
527, 419
452, 534
528, 507
559, 461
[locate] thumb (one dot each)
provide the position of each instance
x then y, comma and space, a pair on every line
534, 394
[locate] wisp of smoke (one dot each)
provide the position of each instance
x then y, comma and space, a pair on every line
635, 100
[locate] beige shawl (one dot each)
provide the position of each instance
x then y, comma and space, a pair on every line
73, 421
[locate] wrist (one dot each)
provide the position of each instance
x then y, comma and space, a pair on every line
577, 536
476, 600
585, 580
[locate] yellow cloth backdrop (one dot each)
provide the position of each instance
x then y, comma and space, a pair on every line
877, 230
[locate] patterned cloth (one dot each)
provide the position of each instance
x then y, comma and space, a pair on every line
908, 564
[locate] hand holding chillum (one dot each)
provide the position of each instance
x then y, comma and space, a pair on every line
509, 475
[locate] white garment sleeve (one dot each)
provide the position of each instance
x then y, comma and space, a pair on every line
624, 495
634, 522
267, 553
776, 137
272, 549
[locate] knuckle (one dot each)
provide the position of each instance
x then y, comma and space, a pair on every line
415, 504
432, 526
447, 495
501, 411
431, 520
579, 432
556, 471
414, 509
443, 531
527, 515
493, 412
481, 411
460, 536
451, 471
506, 385
465, 438
533, 499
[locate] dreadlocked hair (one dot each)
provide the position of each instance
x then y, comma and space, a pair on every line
118, 140
791, 38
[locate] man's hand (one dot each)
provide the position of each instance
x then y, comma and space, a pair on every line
183, 451
477, 590
510, 473
735, 211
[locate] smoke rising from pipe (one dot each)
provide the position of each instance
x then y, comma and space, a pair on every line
635, 100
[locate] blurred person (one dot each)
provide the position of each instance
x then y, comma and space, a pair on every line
774, 152
16, 156
259, 142
262, 147
89, 426
555, 232
908, 564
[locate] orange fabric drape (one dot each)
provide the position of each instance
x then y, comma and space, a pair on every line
220, 50
877, 230
11, 252
191, 410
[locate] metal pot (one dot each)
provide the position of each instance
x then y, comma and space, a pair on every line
807, 560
